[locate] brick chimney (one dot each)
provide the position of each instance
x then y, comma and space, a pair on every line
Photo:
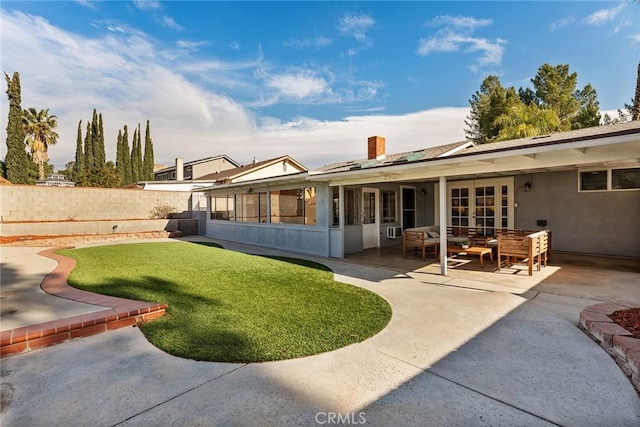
179, 169
375, 147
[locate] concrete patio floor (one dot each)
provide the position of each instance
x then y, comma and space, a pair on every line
474, 348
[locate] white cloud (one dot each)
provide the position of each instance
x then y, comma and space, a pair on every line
461, 22
356, 26
602, 16
562, 23
457, 36
147, 4
635, 38
297, 86
130, 78
189, 45
315, 143
234, 45
169, 22
316, 42
87, 3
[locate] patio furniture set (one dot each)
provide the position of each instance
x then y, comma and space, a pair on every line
510, 246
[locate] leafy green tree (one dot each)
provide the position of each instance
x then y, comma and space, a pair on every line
556, 89
119, 157
624, 116
589, 113
149, 160
126, 158
79, 162
39, 128
498, 113
528, 96
88, 148
97, 140
524, 121
105, 176
487, 104
136, 157
16, 161
69, 170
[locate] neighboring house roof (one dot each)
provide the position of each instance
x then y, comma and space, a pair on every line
195, 162
229, 175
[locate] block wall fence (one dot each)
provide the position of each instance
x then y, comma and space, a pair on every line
27, 203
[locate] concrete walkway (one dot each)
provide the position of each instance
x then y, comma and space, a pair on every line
449, 356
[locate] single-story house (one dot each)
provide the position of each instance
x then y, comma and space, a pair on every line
55, 180
582, 185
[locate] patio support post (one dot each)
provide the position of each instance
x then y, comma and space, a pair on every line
341, 207
442, 195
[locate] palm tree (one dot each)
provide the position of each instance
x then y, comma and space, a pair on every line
39, 130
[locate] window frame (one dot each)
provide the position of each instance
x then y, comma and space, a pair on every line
609, 184
393, 216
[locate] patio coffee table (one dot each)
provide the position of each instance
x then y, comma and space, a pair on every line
474, 250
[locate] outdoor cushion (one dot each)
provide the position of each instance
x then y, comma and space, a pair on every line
458, 239
433, 234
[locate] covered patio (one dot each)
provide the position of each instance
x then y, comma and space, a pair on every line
569, 283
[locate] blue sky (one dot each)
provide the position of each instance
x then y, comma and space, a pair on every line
308, 79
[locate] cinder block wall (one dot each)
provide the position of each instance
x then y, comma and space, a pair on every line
33, 203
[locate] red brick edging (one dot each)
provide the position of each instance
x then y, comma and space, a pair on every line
122, 312
616, 340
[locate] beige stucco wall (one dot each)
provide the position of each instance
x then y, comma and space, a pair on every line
32, 203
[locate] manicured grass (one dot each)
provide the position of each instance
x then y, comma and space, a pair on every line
229, 306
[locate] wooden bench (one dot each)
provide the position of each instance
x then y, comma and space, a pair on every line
418, 240
532, 249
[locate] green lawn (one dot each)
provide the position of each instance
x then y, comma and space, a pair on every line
229, 306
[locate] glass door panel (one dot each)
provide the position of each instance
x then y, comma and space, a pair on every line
460, 207
485, 214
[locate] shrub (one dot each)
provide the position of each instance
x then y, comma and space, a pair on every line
162, 211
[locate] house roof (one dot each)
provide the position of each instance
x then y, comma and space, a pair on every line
230, 174
395, 159
195, 162
597, 146
467, 149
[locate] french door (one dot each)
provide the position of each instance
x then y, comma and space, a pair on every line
370, 218
485, 205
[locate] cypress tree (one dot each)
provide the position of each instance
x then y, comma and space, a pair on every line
119, 158
135, 170
149, 160
139, 165
79, 166
126, 158
88, 149
101, 158
16, 161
